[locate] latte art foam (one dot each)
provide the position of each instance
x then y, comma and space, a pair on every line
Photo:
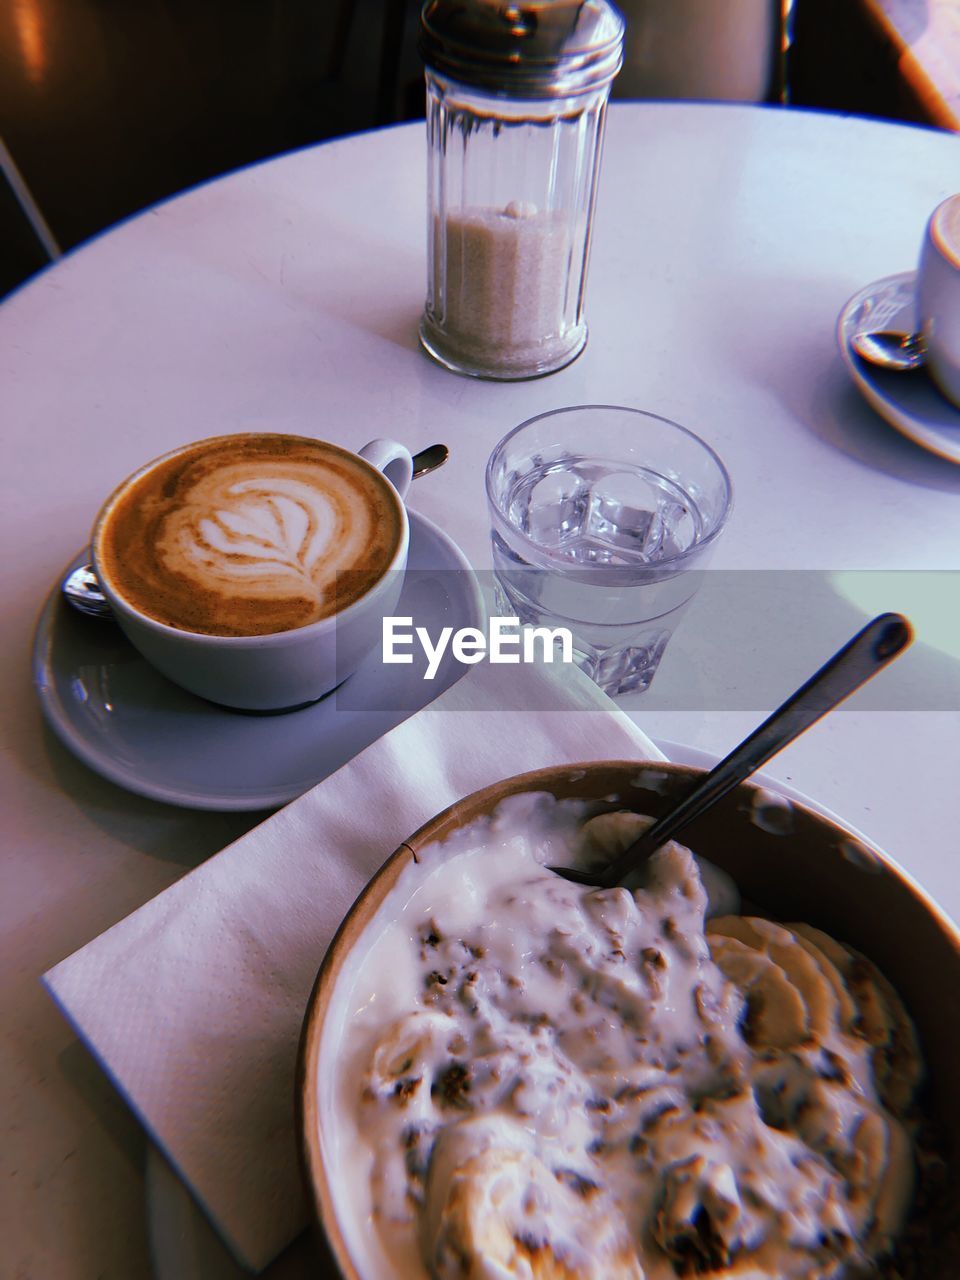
249, 535
259, 534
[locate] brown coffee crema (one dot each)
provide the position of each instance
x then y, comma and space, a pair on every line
249, 535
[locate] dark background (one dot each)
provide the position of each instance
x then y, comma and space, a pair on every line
107, 106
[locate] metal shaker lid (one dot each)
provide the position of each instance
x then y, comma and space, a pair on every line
534, 48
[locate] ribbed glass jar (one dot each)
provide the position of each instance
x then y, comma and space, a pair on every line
514, 136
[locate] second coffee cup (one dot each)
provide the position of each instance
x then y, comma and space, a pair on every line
938, 296
255, 569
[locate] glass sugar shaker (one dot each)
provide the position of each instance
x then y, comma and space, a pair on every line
516, 100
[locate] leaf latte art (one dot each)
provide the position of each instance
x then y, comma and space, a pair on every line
264, 535
249, 535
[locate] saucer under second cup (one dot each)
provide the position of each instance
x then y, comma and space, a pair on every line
910, 402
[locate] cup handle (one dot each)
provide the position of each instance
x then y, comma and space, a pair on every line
393, 460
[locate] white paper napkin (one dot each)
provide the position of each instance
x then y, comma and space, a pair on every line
193, 1004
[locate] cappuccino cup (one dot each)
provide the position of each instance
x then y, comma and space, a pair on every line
255, 569
938, 296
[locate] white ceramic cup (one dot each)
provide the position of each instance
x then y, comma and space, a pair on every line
285, 669
938, 296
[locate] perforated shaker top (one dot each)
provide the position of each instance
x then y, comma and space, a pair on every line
537, 49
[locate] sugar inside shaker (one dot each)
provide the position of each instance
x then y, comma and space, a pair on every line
516, 100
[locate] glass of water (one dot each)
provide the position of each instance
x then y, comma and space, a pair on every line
603, 519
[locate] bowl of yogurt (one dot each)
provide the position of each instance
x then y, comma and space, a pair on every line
738, 1064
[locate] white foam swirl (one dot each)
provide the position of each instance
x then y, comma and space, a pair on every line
267, 536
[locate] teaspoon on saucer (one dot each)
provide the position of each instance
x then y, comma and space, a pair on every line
878, 643
891, 350
82, 590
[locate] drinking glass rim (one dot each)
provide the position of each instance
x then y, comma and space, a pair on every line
695, 548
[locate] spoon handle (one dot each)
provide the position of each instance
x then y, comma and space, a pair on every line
862, 657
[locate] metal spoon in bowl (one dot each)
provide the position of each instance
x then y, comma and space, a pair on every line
890, 350
868, 652
82, 590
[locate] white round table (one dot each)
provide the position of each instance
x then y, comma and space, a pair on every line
286, 297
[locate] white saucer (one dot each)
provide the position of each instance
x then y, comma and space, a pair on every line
908, 401
130, 724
